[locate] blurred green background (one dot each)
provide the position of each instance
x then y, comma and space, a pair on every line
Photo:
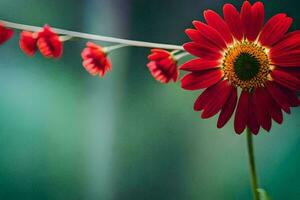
65, 135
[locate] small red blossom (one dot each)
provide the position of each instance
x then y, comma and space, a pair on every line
162, 66
95, 59
49, 43
5, 33
241, 52
28, 42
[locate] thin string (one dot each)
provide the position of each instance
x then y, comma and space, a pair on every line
102, 38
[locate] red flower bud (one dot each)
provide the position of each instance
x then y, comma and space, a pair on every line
5, 33
95, 60
28, 42
162, 66
49, 43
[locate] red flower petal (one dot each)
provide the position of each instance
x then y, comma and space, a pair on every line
5, 33
199, 64
257, 20
202, 51
252, 18
57, 47
294, 71
246, 18
197, 37
273, 108
289, 42
208, 94
44, 48
95, 47
275, 29
292, 98
158, 54
286, 79
286, 53
241, 114
260, 108
205, 97
200, 80
252, 120
232, 18
217, 99
28, 42
279, 96
156, 73
214, 20
288, 59
228, 108
166, 62
210, 34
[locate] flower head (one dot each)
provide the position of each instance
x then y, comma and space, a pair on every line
49, 43
241, 52
5, 33
28, 42
95, 60
162, 66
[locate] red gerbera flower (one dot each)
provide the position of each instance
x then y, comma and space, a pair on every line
240, 51
49, 43
162, 65
28, 42
95, 59
5, 33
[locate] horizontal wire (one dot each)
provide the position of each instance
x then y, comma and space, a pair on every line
76, 34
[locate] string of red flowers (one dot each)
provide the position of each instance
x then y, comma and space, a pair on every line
49, 41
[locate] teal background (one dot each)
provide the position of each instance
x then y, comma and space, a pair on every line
65, 135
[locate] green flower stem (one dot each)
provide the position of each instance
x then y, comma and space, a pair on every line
114, 47
181, 55
102, 38
253, 176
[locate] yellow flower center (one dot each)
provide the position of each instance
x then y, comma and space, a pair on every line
246, 65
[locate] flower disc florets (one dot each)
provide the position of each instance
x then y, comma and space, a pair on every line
246, 65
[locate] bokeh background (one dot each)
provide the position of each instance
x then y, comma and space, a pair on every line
65, 135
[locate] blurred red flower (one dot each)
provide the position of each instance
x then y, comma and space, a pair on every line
95, 59
28, 42
162, 66
49, 43
5, 33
